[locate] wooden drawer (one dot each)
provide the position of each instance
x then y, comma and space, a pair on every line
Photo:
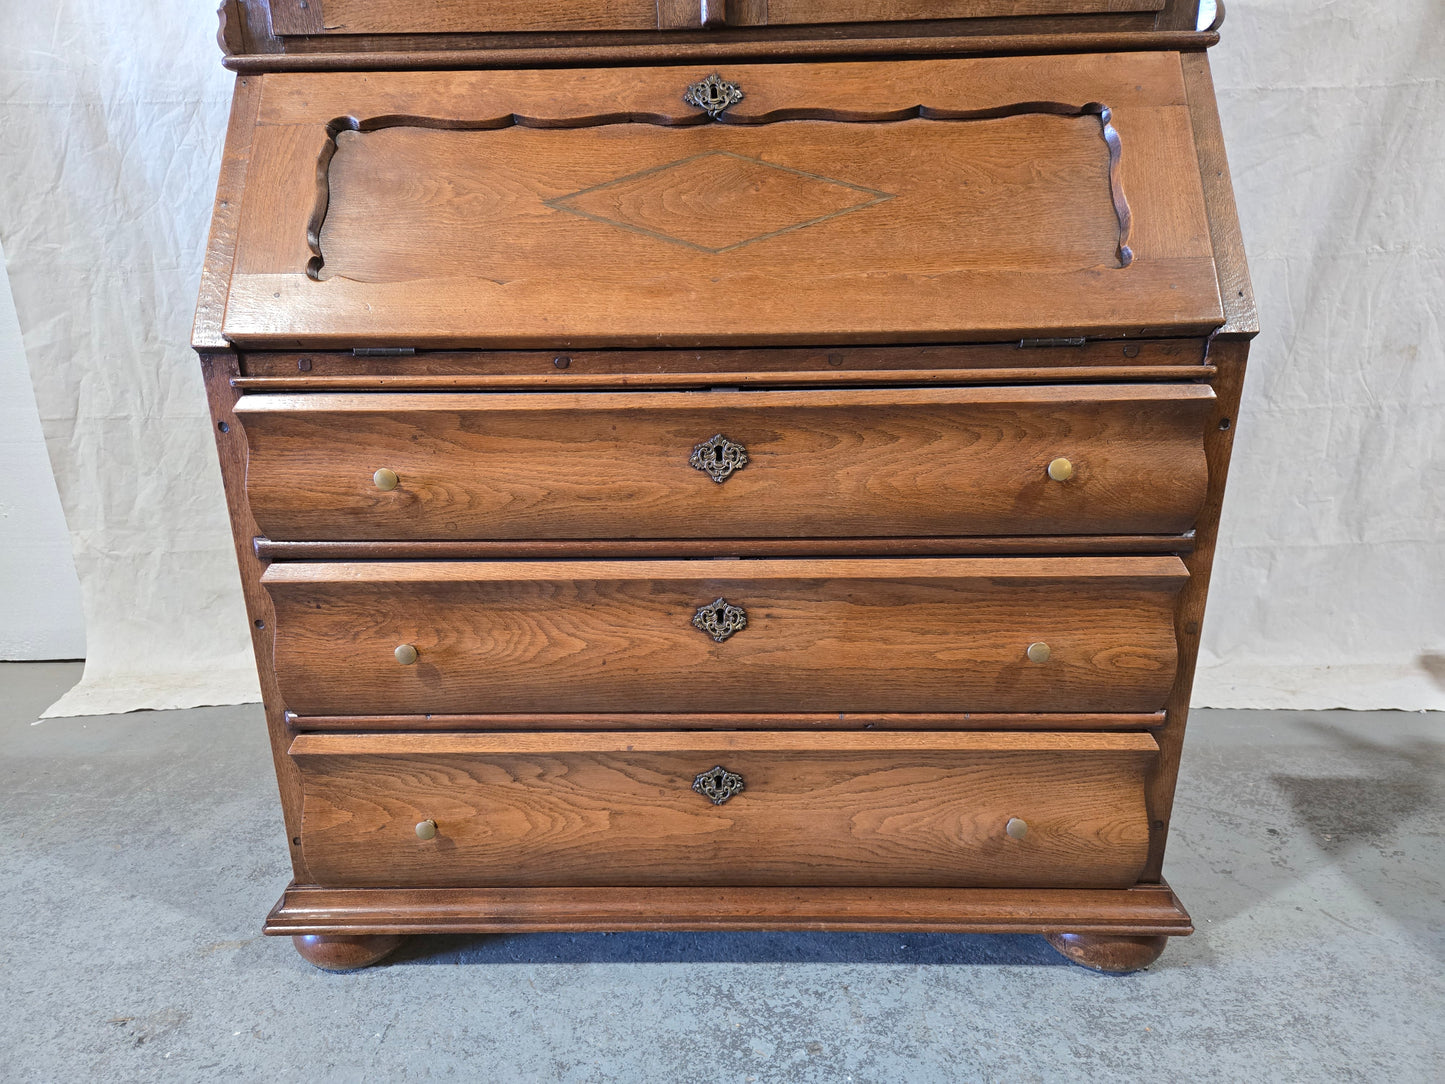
602, 809
836, 463
909, 635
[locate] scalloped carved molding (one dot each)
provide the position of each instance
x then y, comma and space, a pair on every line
1109, 134
228, 34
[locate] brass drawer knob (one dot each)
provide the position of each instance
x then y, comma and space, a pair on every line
406, 654
718, 785
1039, 652
718, 457
1016, 828
386, 480
1061, 470
428, 830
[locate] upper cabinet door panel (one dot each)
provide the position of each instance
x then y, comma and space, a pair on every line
785, 12
459, 16
309, 17
951, 200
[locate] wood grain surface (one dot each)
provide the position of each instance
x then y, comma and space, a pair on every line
1142, 909
670, 548
816, 721
1000, 362
1011, 36
852, 229
902, 462
817, 809
909, 635
476, 16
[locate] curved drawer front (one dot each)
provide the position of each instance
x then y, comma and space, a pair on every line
982, 810
839, 463
913, 635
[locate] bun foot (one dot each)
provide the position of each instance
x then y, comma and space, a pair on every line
1110, 953
345, 953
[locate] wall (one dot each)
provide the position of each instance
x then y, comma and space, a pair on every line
40, 614
1328, 590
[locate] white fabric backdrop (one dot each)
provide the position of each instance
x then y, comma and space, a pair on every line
1328, 590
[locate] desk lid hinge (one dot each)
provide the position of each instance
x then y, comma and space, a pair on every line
382, 351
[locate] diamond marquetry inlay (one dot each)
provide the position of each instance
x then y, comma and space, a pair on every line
718, 201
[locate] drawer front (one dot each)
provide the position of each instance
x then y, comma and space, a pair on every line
912, 635
978, 810
837, 463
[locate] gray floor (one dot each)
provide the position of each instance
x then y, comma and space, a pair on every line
139, 854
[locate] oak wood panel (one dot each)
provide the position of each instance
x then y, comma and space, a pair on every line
820, 463
998, 362
1241, 316
734, 721
782, 12
561, 549
298, 16
225, 217
1232, 357
696, 381
982, 37
1142, 909
1032, 192
550, 810
909, 635
782, 743
218, 367
454, 16
476, 16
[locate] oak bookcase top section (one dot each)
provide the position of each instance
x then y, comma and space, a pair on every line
963, 200
272, 35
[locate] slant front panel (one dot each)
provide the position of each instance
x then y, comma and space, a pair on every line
956, 200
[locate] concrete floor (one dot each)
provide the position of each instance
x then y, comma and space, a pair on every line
139, 854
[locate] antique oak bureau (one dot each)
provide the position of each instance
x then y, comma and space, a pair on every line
724, 465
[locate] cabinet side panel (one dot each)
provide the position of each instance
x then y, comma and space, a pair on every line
219, 365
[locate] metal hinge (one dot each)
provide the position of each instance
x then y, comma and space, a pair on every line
1033, 344
383, 351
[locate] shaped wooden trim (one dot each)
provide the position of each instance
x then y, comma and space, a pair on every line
334, 129
1143, 909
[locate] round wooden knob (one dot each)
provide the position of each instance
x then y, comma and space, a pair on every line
386, 480
406, 654
1039, 652
1017, 828
1061, 470
428, 830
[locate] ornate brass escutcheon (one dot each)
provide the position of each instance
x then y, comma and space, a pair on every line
713, 95
720, 620
718, 785
718, 457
